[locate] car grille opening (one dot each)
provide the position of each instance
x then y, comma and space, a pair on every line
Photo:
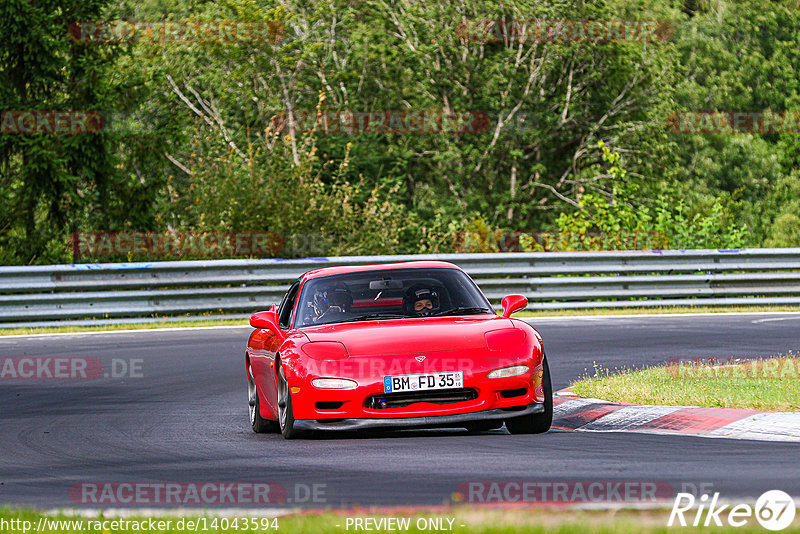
407, 398
329, 405
511, 393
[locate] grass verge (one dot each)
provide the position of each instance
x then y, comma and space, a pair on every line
766, 384
522, 315
479, 521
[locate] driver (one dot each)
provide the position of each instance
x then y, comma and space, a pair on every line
331, 301
421, 301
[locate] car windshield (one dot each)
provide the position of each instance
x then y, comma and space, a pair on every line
389, 294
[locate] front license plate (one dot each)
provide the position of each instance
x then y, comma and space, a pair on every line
423, 382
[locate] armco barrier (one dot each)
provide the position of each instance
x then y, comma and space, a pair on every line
550, 280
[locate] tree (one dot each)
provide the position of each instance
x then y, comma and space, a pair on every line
50, 181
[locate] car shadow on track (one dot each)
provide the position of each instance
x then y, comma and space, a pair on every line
342, 435
416, 433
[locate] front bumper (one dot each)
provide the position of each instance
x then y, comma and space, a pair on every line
417, 422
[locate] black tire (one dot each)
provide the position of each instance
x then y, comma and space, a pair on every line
484, 426
536, 423
285, 413
259, 424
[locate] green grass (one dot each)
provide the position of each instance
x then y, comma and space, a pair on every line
478, 521
526, 314
771, 384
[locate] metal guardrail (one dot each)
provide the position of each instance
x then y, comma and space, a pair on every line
550, 280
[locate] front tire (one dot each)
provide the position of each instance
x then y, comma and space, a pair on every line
536, 423
259, 424
285, 413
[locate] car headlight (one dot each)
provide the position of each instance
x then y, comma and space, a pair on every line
334, 383
505, 372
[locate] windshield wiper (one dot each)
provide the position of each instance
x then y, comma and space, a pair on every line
464, 311
378, 316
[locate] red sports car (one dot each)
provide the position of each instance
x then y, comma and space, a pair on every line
402, 345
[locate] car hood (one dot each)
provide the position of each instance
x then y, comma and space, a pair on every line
408, 336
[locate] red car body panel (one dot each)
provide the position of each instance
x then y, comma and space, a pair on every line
367, 351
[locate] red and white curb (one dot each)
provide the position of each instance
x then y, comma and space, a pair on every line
572, 412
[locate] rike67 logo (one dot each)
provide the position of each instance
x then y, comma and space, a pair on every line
774, 510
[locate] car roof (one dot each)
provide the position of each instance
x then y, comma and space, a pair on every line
344, 269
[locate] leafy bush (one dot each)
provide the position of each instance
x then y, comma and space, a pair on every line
612, 221
785, 232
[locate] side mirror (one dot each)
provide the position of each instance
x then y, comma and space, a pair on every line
513, 303
266, 319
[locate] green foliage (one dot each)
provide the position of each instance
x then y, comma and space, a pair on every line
201, 139
785, 232
271, 193
740, 56
614, 223
51, 184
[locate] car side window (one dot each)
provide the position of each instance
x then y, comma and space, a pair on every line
285, 310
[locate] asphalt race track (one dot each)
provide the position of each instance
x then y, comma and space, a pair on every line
185, 420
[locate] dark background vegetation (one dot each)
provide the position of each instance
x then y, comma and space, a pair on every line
578, 147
